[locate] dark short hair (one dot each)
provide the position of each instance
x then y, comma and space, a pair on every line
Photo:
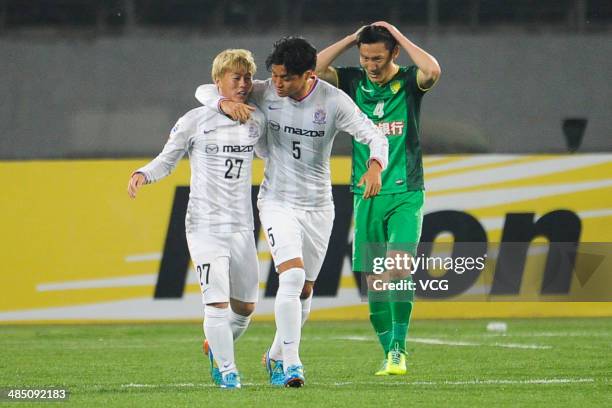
376, 34
295, 53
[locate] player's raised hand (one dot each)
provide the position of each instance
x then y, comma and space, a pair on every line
372, 180
136, 181
355, 35
392, 29
236, 110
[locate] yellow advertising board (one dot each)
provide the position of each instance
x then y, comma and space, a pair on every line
77, 249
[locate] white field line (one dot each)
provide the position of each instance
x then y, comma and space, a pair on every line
473, 344
184, 385
477, 382
551, 334
529, 381
441, 342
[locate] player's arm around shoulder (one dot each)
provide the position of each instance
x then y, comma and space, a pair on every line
208, 95
330, 75
242, 112
261, 145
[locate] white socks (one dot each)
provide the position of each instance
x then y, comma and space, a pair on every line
220, 338
306, 308
238, 323
288, 312
276, 352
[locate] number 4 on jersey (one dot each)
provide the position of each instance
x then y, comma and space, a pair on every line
379, 110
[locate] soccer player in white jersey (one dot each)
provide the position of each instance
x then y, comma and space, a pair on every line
295, 202
219, 221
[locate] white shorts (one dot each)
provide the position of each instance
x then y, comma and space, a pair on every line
226, 264
294, 233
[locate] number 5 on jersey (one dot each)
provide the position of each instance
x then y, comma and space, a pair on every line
297, 152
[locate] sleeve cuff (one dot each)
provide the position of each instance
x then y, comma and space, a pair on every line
377, 160
144, 175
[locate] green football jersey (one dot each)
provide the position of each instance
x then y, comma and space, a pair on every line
394, 108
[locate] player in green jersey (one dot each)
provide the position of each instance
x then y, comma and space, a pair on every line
387, 225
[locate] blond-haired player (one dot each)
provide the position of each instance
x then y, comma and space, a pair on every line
219, 221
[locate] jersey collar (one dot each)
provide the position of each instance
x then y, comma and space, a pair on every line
381, 87
310, 91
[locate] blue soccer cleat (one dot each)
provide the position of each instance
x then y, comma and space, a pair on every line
294, 377
275, 370
214, 369
231, 381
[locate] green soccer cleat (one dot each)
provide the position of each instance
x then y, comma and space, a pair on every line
214, 369
396, 362
383, 368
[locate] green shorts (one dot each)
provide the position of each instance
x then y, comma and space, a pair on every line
386, 222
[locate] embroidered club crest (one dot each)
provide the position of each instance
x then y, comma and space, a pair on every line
319, 117
395, 86
253, 132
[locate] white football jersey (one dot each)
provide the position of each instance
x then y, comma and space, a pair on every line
221, 156
299, 137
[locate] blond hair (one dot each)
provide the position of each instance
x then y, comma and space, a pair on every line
233, 60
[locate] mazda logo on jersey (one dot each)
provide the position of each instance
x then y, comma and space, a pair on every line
237, 148
304, 132
211, 149
274, 125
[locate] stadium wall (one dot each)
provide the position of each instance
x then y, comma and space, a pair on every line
77, 249
118, 97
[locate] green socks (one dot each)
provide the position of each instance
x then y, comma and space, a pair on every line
390, 313
380, 317
401, 303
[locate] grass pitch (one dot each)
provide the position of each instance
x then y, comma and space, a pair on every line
538, 362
